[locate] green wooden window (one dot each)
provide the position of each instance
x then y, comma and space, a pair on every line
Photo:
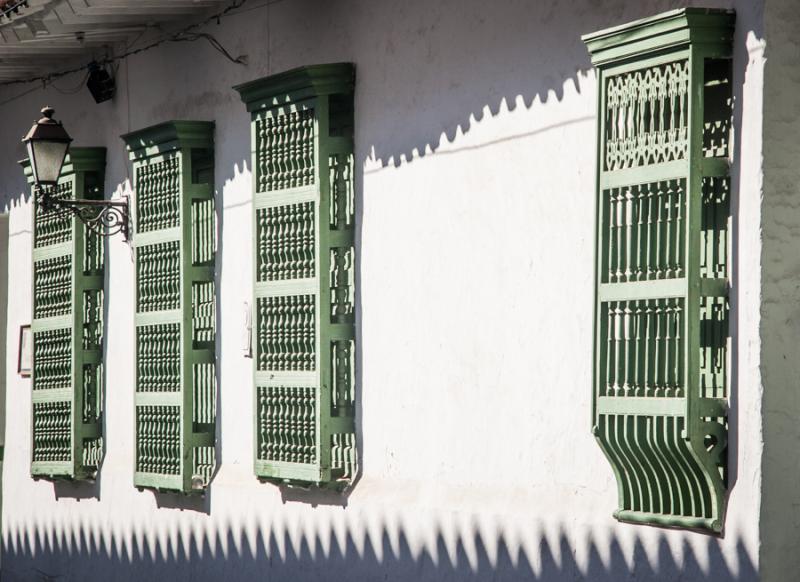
67, 378
175, 318
304, 273
663, 261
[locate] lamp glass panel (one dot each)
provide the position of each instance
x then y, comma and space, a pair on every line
47, 157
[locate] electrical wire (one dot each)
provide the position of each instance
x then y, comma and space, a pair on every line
193, 36
75, 89
19, 96
184, 35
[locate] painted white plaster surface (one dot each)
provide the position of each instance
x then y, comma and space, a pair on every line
475, 143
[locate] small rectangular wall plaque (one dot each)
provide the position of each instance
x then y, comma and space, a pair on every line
25, 352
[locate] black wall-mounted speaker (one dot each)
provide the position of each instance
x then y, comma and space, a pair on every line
100, 83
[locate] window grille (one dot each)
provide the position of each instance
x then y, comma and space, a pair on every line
304, 273
661, 365
175, 319
67, 375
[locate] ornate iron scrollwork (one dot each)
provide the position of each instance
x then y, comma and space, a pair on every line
102, 217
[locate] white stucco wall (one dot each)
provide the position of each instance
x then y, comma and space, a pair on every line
475, 146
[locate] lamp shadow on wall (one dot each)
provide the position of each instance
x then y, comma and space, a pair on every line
85, 554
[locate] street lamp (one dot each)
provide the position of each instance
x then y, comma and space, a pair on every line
48, 143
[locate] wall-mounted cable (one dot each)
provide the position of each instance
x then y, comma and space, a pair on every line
186, 34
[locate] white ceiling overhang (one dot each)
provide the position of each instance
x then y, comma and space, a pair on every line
38, 37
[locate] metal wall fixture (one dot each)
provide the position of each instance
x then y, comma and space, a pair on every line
660, 406
48, 143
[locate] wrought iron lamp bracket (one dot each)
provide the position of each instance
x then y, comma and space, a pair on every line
102, 217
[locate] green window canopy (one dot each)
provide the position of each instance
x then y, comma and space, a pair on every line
304, 274
660, 398
67, 376
175, 318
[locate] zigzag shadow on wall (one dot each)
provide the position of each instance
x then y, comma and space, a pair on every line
83, 554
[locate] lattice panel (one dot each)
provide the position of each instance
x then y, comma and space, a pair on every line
204, 384
342, 282
158, 195
158, 274
286, 336
287, 424
714, 233
93, 253
285, 150
52, 431
203, 312
342, 202
93, 319
286, 242
204, 413
54, 227
92, 452
714, 333
92, 384
52, 359
342, 376
647, 116
204, 239
717, 108
343, 455
158, 362
645, 229
203, 463
52, 282
158, 439
645, 348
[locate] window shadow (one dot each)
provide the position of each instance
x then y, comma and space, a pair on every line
84, 554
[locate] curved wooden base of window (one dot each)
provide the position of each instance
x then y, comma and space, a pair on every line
665, 478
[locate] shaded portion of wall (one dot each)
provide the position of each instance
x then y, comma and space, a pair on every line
780, 308
273, 555
3, 344
4, 351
